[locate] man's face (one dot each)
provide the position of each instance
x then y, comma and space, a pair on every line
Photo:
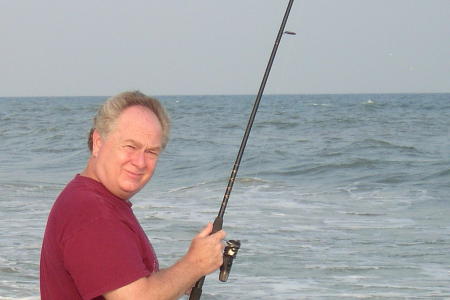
126, 158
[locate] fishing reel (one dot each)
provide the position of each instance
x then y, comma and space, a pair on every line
229, 253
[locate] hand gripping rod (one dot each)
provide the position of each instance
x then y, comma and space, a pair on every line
218, 222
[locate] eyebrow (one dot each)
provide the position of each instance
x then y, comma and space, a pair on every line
158, 148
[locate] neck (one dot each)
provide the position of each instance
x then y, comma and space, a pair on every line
89, 171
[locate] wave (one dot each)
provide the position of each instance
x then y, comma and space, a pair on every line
29, 186
319, 168
380, 144
213, 183
277, 124
363, 214
21, 298
439, 174
320, 104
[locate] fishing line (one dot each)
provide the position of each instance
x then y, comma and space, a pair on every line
233, 246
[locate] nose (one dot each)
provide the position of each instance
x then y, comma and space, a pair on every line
138, 159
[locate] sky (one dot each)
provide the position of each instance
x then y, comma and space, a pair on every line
202, 47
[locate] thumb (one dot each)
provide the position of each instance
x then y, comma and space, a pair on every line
206, 231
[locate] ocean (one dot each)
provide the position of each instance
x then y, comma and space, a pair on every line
337, 196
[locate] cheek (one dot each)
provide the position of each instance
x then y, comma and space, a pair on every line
151, 164
121, 156
114, 160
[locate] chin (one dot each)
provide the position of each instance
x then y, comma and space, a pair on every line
131, 188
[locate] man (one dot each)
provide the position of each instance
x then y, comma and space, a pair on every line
94, 247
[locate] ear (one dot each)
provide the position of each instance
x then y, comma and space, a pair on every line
97, 143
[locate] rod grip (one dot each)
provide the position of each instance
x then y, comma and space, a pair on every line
196, 291
217, 225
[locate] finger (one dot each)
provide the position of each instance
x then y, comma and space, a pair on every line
219, 235
205, 231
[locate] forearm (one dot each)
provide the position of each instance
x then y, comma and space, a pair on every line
172, 282
203, 257
166, 284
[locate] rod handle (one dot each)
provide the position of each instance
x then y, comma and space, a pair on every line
195, 294
217, 225
196, 291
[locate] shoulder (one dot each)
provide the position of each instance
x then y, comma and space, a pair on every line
84, 193
81, 203
80, 196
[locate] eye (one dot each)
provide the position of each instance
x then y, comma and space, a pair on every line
130, 147
152, 152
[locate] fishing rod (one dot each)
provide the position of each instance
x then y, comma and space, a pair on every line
234, 245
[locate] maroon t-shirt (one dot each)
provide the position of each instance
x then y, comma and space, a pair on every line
93, 244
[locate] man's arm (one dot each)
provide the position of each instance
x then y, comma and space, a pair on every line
203, 257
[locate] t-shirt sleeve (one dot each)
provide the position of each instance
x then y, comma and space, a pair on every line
102, 256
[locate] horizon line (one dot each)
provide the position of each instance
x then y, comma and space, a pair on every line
238, 94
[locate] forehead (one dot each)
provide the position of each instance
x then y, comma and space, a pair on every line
138, 122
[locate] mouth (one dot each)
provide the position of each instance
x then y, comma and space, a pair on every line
134, 175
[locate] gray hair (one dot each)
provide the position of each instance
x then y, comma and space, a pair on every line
108, 113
